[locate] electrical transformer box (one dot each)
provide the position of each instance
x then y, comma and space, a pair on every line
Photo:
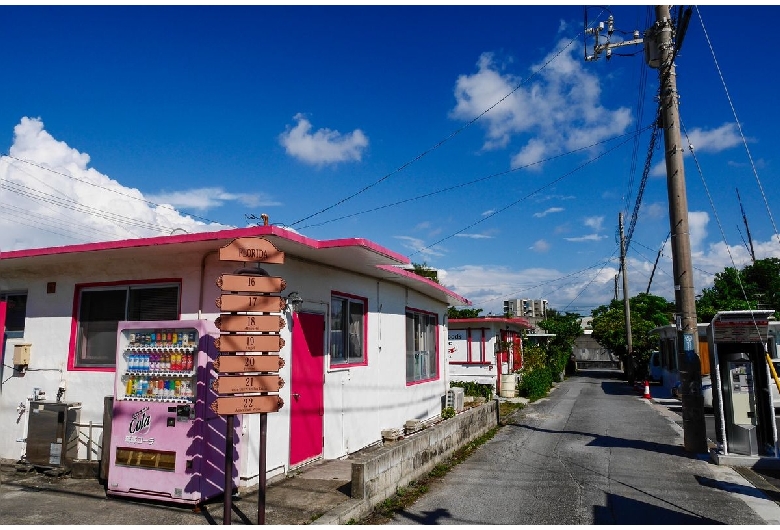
52, 433
22, 354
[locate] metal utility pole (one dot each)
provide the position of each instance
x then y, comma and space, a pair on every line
660, 52
616, 289
626, 305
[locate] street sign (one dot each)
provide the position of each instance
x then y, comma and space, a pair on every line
251, 284
254, 249
226, 364
247, 383
235, 343
246, 404
251, 302
267, 323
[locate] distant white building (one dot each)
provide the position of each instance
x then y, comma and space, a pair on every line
483, 349
525, 308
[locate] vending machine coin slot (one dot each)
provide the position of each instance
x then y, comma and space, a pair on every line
184, 413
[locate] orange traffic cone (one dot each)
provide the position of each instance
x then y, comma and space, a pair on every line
647, 390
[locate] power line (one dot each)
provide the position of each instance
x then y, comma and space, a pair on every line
118, 192
442, 142
500, 210
471, 182
739, 125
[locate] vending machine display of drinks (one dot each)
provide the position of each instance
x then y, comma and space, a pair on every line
166, 442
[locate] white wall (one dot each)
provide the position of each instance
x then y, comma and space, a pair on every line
485, 374
359, 401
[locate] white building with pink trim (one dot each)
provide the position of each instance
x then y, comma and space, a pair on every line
370, 343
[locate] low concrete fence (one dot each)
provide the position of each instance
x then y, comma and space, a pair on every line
394, 466
584, 365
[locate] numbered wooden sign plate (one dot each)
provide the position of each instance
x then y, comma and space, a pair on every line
231, 343
254, 249
267, 323
226, 364
245, 384
251, 303
247, 404
251, 284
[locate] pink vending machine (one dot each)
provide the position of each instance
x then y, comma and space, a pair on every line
166, 442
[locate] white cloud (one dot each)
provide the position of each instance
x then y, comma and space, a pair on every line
715, 140
474, 236
488, 286
654, 210
488, 212
56, 199
558, 110
548, 211
589, 237
697, 228
323, 146
206, 198
540, 246
418, 246
705, 141
594, 222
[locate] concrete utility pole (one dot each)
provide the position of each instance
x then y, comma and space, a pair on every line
626, 305
659, 50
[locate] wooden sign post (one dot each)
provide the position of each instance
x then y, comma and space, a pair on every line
247, 369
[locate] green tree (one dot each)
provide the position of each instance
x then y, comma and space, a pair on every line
422, 269
647, 312
566, 327
756, 286
453, 312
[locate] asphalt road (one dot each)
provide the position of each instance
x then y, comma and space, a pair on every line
593, 452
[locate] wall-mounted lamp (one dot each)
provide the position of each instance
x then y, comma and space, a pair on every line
295, 301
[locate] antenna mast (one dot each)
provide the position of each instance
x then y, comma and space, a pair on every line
747, 228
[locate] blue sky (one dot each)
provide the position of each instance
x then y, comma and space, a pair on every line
475, 140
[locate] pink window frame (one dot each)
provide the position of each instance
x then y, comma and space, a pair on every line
469, 350
74, 323
364, 300
436, 345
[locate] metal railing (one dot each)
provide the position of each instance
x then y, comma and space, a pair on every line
88, 440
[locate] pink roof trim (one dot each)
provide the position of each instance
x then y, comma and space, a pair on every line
423, 279
500, 320
269, 230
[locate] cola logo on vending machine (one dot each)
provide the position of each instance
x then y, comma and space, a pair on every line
140, 422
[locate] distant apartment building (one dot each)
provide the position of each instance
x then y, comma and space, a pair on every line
525, 308
532, 310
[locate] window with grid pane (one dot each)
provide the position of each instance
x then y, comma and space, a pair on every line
15, 314
422, 360
347, 341
102, 308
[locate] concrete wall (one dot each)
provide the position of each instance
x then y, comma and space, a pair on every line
377, 477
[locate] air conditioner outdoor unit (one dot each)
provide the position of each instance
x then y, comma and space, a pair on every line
455, 398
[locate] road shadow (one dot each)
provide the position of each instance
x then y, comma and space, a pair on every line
600, 440
617, 388
624, 511
437, 516
731, 487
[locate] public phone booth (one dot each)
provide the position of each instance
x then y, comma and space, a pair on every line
741, 396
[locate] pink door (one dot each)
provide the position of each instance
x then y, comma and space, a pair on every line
2, 337
306, 387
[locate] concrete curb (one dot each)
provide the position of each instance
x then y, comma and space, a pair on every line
351, 510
